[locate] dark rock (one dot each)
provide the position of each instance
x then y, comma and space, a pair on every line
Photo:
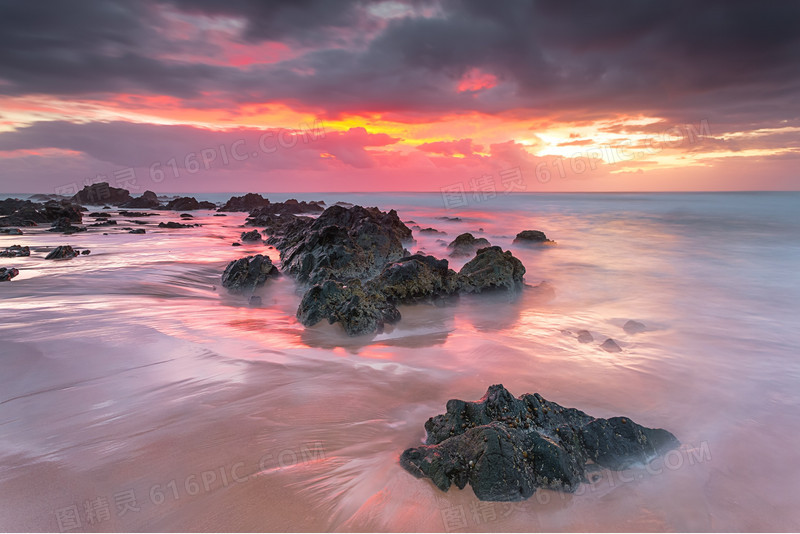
7, 273
262, 215
187, 216
431, 231
248, 202
467, 245
446, 218
246, 274
63, 252
358, 309
634, 327
609, 345
125, 213
530, 237
189, 204
26, 213
255, 300
236, 244
506, 448
341, 244
147, 200
102, 193
220, 215
415, 278
55, 210
253, 235
584, 336
10, 231
173, 225
491, 269
15, 251
65, 225
105, 222
138, 231
86, 252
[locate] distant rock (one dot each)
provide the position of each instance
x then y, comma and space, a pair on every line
7, 273
634, 327
220, 215
359, 310
63, 252
126, 213
15, 251
189, 204
65, 226
452, 219
236, 244
86, 252
506, 448
253, 235
466, 245
491, 269
254, 300
584, 336
26, 213
137, 231
102, 193
247, 274
174, 225
10, 231
248, 202
147, 200
187, 216
609, 345
532, 237
431, 231
104, 222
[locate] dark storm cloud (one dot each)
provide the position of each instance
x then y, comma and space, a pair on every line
733, 61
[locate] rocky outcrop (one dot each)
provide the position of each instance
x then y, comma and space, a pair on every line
342, 244
147, 200
415, 278
358, 309
63, 252
7, 273
100, 194
253, 235
247, 274
506, 447
491, 269
466, 245
259, 206
25, 213
247, 202
532, 237
15, 251
174, 225
189, 204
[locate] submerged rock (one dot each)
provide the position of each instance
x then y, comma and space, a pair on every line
609, 345
530, 237
491, 269
634, 327
253, 235
358, 309
65, 225
246, 274
15, 251
507, 447
7, 273
10, 231
63, 252
174, 225
584, 336
466, 245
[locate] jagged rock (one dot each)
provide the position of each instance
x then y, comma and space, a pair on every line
358, 309
248, 202
341, 244
173, 225
147, 200
466, 245
138, 231
264, 215
105, 222
530, 237
634, 327
102, 193
26, 213
246, 274
10, 231
253, 235
609, 345
125, 213
64, 225
431, 231
55, 210
7, 273
415, 278
63, 252
507, 447
491, 269
189, 204
15, 251
220, 215
86, 252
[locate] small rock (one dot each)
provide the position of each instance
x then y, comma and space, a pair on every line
246, 274
252, 235
7, 273
584, 336
634, 327
236, 244
86, 252
137, 231
255, 300
173, 225
15, 251
529, 237
63, 252
609, 345
11, 231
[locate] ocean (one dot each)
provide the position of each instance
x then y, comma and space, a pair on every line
137, 394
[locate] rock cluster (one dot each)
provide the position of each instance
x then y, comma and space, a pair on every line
466, 245
100, 194
189, 204
507, 447
147, 200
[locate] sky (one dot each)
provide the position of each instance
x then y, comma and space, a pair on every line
416, 95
